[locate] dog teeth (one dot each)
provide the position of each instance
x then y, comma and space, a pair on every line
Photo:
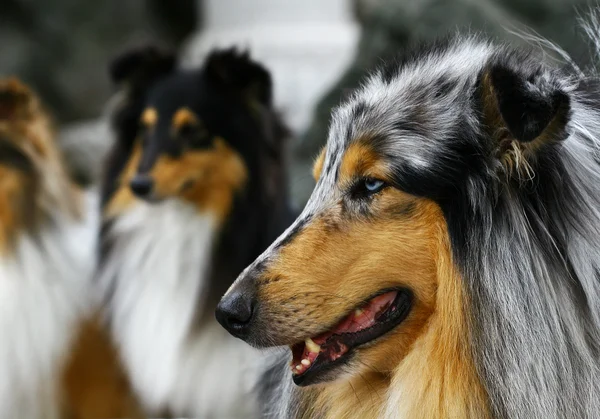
305, 362
358, 312
312, 346
298, 367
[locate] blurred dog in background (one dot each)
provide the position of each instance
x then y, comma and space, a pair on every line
195, 190
48, 233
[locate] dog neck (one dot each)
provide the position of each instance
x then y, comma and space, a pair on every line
437, 378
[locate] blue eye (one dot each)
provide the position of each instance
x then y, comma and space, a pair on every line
374, 185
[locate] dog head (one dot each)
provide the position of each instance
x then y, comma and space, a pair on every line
354, 281
195, 134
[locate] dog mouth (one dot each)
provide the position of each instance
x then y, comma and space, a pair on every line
316, 356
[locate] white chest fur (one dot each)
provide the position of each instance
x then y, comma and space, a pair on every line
43, 296
159, 263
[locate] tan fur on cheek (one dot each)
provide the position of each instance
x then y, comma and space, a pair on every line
438, 379
318, 165
334, 264
330, 267
208, 179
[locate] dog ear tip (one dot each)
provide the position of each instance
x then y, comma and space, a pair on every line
123, 65
527, 103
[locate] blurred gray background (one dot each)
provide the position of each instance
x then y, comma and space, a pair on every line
317, 51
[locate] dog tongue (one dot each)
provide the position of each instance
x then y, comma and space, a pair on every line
362, 318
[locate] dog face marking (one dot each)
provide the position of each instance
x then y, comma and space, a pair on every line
191, 134
316, 274
149, 118
180, 151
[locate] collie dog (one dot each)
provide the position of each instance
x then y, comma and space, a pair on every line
447, 264
195, 191
51, 347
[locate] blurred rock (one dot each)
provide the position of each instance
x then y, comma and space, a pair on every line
84, 146
61, 47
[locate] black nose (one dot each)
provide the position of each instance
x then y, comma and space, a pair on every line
235, 311
141, 185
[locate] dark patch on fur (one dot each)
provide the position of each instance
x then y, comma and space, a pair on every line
289, 237
406, 209
444, 87
359, 110
12, 156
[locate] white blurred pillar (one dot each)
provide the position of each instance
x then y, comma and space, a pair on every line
306, 44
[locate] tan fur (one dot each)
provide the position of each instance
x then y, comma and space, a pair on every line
318, 166
421, 369
208, 179
183, 117
360, 161
94, 378
149, 117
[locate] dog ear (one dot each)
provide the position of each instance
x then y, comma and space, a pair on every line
16, 99
522, 112
529, 105
240, 73
140, 66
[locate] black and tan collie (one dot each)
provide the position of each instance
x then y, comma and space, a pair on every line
55, 361
195, 191
447, 263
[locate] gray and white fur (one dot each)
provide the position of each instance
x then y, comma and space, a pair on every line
527, 242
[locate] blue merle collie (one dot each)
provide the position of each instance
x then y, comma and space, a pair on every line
195, 190
447, 264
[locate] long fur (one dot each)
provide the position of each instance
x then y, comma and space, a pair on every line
525, 234
44, 295
158, 263
528, 263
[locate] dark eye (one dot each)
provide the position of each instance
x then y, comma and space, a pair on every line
373, 185
194, 136
187, 130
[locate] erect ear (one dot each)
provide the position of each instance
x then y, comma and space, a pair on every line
523, 110
529, 107
140, 66
239, 72
16, 99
